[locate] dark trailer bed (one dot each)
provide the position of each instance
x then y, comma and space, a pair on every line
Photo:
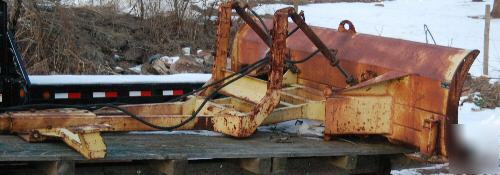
138, 153
95, 89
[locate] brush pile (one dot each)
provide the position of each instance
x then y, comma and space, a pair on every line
56, 38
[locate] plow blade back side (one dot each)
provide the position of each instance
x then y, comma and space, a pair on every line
407, 91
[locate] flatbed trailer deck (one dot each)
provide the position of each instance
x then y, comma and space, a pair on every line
263, 153
95, 89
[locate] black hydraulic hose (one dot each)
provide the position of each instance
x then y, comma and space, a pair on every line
261, 21
242, 73
305, 59
193, 116
217, 82
293, 31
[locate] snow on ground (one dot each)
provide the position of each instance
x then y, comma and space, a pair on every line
471, 114
417, 171
305, 128
118, 79
136, 69
448, 20
170, 60
479, 127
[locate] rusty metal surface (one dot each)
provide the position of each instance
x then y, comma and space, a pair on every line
23, 122
423, 82
358, 53
245, 126
351, 28
240, 9
222, 43
367, 115
86, 140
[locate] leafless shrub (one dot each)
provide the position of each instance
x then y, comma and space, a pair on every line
483, 93
46, 37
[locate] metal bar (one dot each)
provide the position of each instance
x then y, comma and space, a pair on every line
240, 9
18, 58
238, 126
278, 50
260, 20
319, 44
23, 122
428, 32
222, 44
293, 31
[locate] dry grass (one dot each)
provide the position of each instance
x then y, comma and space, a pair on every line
483, 93
58, 39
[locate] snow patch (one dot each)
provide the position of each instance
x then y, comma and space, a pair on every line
136, 69
479, 125
170, 60
415, 171
305, 128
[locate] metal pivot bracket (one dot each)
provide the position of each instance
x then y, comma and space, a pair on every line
86, 140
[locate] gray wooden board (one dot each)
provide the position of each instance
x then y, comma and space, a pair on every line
127, 146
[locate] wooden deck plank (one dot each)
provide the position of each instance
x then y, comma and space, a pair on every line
126, 146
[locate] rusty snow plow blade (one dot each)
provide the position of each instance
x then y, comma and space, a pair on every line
408, 92
356, 84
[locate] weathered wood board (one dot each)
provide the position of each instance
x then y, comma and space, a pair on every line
127, 146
